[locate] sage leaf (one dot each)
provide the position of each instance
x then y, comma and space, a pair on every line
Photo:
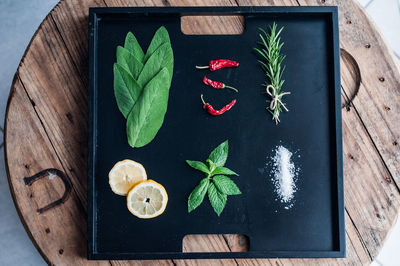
160, 37
126, 89
223, 171
132, 45
129, 62
225, 185
137, 76
162, 57
197, 195
198, 166
217, 199
220, 154
147, 115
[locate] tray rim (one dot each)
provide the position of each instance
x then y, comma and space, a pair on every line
94, 16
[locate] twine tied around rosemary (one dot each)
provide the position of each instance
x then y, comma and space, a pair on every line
276, 98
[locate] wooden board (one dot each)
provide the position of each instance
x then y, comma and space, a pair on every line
46, 128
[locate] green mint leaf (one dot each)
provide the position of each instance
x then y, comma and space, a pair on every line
223, 171
132, 45
162, 57
220, 154
160, 37
126, 89
148, 113
225, 185
129, 62
197, 195
198, 166
211, 165
217, 199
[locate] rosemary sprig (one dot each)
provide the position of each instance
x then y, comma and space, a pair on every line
272, 65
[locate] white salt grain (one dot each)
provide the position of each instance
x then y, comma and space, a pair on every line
284, 174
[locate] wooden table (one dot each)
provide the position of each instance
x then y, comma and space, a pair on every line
46, 134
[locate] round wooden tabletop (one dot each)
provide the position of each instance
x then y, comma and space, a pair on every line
46, 135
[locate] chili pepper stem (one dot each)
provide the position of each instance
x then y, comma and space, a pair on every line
202, 99
229, 87
202, 67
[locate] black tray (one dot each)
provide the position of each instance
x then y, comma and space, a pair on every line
313, 227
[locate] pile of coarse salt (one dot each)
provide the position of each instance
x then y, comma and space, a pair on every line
284, 175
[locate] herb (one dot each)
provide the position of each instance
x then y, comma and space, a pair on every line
272, 65
216, 183
141, 85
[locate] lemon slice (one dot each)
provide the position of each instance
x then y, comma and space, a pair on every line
124, 175
147, 199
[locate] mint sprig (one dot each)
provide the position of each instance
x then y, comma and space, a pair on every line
216, 183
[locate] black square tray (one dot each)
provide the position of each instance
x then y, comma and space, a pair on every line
313, 227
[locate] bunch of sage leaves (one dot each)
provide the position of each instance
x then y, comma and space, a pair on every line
217, 183
141, 85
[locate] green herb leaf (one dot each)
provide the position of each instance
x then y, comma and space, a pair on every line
148, 113
198, 166
272, 64
197, 195
217, 199
220, 154
141, 85
129, 62
132, 45
162, 57
225, 185
160, 37
223, 171
126, 89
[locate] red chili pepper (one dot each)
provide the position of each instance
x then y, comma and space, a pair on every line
220, 63
210, 109
217, 84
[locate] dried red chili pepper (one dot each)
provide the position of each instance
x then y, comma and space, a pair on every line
220, 63
217, 84
210, 109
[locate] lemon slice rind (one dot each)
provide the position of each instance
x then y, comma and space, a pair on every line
123, 167
136, 199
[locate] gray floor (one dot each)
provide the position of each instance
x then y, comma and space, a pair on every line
18, 21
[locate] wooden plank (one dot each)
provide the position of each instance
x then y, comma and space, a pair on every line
71, 20
59, 233
60, 98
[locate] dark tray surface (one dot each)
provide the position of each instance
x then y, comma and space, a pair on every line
313, 227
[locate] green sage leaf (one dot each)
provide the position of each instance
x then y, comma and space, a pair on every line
198, 166
132, 45
162, 57
126, 89
217, 199
129, 62
223, 171
197, 195
141, 86
147, 115
160, 37
220, 154
225, 185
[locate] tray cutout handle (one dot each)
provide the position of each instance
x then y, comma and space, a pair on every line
215, 243
212, 25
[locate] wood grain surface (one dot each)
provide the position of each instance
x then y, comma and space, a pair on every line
46, 127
